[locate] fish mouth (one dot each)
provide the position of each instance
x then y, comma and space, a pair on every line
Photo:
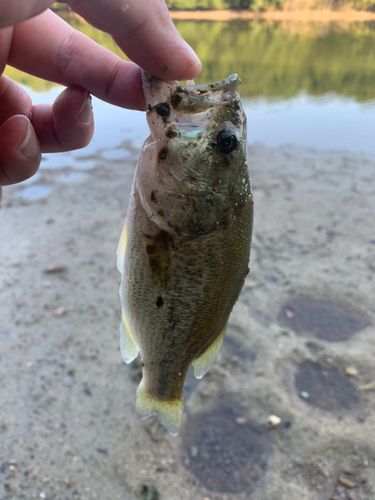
189, 98
230, 83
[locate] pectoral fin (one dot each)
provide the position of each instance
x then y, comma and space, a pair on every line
128, 345
122, 247
169, 413
204, 362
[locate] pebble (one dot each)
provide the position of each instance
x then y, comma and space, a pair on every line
55, 269
348, 483
305, 394
368, 387
102, 451
241, 420
289, 313
273, 421
60, 311
351, 371
194, 451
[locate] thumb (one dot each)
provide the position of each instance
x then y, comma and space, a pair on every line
19, 150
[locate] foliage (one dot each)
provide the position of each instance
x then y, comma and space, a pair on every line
60, 7
262, 5
32, 82
254, 5
273, 59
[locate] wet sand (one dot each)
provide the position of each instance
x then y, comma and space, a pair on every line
300, 345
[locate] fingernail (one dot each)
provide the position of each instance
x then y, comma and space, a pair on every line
30, 144
85, 113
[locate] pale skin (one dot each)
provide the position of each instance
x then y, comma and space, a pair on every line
38, 42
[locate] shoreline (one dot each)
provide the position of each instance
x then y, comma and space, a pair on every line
292, 15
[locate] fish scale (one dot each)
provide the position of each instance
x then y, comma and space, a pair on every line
185, 246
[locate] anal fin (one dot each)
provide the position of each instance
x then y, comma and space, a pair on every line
122, 247
169, 413
204, 362
128, 344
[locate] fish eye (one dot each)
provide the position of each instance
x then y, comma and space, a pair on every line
226, 141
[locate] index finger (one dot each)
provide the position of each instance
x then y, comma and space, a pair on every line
144, 30
47, 47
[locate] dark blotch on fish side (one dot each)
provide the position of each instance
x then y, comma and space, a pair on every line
153, 196
150, 249
224, 456
159, 302
157, 247
321, 318
163, 109
163, 153
325, 387
176, 99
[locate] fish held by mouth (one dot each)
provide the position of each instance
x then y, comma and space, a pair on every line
184, 250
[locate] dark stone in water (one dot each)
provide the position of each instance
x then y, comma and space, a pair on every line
148, 492
237, 349
325, 388
223, 455
321, 318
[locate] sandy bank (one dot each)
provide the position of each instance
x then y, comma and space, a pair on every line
67, 423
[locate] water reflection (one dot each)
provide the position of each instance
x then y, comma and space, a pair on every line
274, 59
304, 83
285, 58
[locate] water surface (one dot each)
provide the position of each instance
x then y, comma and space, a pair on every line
304, 83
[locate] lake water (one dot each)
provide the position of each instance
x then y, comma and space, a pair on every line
310, 84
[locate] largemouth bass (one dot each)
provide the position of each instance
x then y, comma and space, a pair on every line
185, 246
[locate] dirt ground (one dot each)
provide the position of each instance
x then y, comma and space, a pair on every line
300, 345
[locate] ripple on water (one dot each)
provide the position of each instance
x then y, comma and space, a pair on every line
322, 319
34, 192
223, 455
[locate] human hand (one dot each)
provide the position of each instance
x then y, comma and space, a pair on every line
47, 47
